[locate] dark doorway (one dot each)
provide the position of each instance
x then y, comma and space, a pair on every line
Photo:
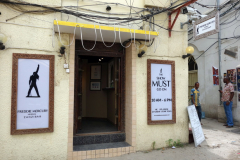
99, 89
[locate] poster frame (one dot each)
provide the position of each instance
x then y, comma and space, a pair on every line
16, 57
92, 89
216, 15
99, 73
149, 120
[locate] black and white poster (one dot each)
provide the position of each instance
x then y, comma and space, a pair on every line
206, 26
161, 92
33, 94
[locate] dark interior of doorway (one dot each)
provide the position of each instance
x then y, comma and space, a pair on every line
99, 98
113, 135
192, 65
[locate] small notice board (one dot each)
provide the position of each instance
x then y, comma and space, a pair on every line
196, 125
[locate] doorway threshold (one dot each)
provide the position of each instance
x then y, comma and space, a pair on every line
99, 139
99, 133
100, 146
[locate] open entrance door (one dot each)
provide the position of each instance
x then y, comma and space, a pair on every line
99, 95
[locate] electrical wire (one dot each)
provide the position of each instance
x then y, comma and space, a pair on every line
121, 40
238, 38
18, 6
127, 20
102, 36
82, 38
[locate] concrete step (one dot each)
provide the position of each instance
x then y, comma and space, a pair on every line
100, 138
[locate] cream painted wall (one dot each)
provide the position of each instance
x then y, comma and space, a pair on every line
36, 38
169, 49
210, 97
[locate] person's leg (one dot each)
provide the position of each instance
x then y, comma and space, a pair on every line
199, 112
225, 109
229, 113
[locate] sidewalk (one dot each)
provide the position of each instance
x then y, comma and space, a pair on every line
221, 143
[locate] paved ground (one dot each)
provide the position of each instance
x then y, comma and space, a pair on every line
221, 143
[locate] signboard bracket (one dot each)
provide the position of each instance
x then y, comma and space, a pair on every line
178, 10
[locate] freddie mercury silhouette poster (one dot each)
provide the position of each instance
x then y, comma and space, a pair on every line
33, 94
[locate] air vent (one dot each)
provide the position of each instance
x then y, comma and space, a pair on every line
232, 52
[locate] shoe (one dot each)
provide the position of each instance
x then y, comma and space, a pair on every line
225, 125
229, 126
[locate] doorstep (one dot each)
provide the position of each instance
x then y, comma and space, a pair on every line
100, 146
101, 153
99, 138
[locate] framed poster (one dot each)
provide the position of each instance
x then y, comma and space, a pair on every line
95, 86
161, 92
32, 94
215, 76
231, 73
96, 71
206, 26
238, 79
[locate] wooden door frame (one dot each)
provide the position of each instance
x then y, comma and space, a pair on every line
116, 52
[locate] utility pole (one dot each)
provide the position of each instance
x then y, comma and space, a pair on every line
219, 50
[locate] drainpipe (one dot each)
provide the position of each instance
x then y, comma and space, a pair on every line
219, 51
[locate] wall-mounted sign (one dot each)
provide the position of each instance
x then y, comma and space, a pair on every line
238, 79
95, 86
215, 76
196, 125
96, 72
32, 94
161, 92
231, 73
206, 26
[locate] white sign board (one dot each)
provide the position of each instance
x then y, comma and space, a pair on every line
161, 92
196, 125
206, 26
33, 94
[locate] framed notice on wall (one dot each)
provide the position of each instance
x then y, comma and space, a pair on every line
96, 71
95, 86
32, 94
161, 92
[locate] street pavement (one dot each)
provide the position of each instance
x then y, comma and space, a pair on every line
220, 143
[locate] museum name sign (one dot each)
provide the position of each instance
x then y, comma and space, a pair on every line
206, 26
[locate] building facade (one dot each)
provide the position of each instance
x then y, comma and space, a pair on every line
207, 57
120, 97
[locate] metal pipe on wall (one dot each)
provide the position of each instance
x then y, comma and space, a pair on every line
219, 51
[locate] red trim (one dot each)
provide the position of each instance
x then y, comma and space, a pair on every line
170, 24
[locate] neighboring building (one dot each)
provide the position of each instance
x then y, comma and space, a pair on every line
207, 56
109, 104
